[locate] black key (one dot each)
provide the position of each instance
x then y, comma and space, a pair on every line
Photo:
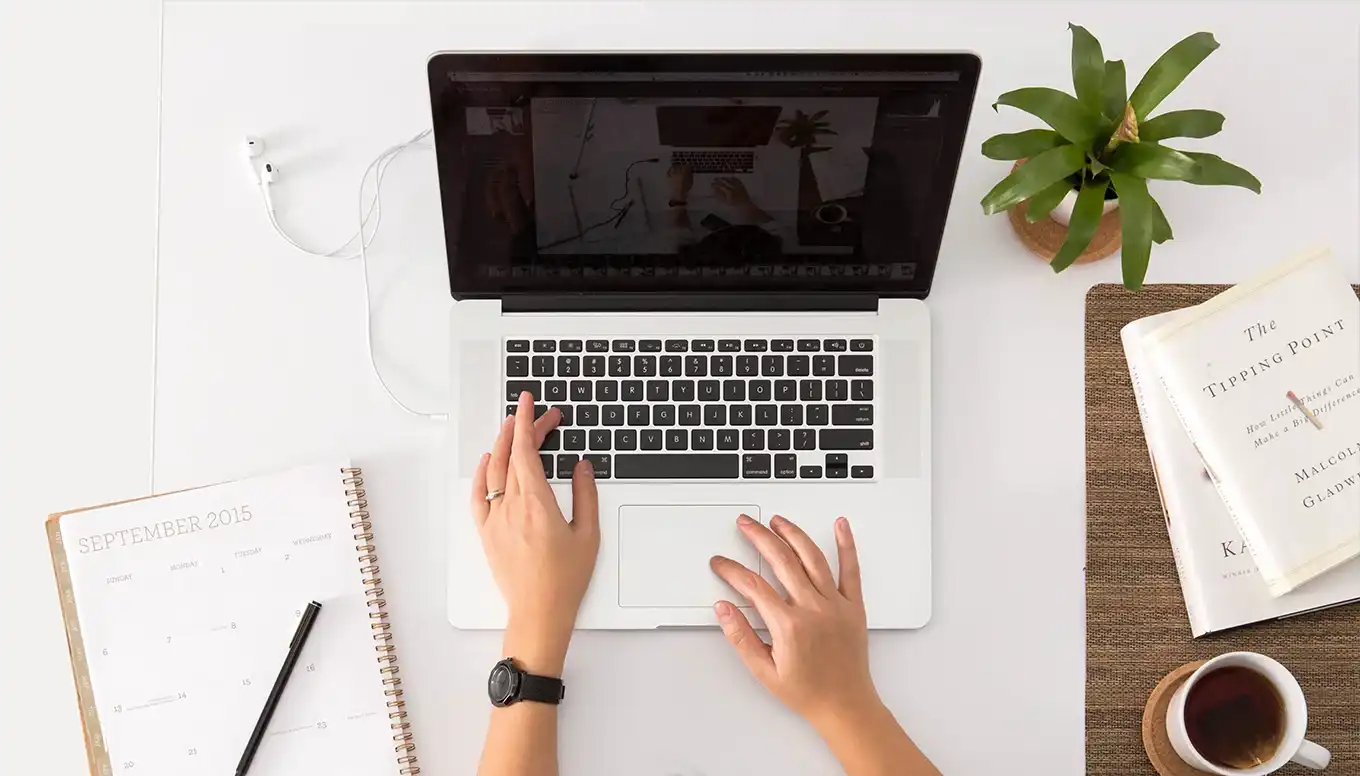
588, 415
516, 366
545, 346
543, 366
729, 439
570, 346
644, 366
701, 439
649, 346
569, 366
748, 366
846, 439
672, 366
710, 390
566, 462
682, 390
677, 346
606, 390
624, 346
547, 461
817, 415
810, 472
580, 390
782, 346
639, 415
852, 415
677, 439
861, 345
861, 472
625, 439
658, 390
540, 410
834, 460
663, 414
862, 390
715, 415
767, 415
567, 418
785, 390
785, 466
756, 346
574, 439
809, 345
791, 415
593, 366
740, 414
759, 390
517, 346
696, 366
553, 441
599, 438
702, 346
632, 390
555, 390
651, 438
612, 414
753, 439
734, 390
810, 390
804, 439
708, 466
620, 366
513, 388
755, 466
721, 366
690, 415
597, 346
824, 366
772, 366
838, 473
855, 365
835, 345
601, 464
729, 345
799, 366
779, 439
837, 390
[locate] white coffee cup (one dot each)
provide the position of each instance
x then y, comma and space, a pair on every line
1293, 747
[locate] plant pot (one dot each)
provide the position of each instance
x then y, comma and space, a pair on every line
1063, 212
1045, 237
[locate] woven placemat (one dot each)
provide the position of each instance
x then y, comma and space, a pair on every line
1136, 626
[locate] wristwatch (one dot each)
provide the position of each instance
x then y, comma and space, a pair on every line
508, 684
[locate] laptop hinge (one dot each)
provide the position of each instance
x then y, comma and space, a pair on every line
685, 303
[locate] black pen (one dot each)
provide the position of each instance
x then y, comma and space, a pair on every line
294, 651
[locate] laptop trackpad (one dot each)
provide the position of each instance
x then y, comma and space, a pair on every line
664, 552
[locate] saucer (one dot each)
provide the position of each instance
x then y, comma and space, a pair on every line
1155, 740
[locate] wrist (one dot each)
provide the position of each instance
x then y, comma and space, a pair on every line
537, 649
836, 720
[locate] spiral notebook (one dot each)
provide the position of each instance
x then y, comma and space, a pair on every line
179, 609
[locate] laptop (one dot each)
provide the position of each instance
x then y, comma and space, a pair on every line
707, 364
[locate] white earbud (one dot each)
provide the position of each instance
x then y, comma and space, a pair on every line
262, 169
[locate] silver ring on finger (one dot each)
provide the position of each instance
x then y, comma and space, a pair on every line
495, 494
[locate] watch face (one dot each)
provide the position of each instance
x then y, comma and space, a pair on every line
501, 684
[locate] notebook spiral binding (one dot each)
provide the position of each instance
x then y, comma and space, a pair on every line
362, 525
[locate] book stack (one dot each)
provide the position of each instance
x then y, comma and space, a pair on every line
1250, 404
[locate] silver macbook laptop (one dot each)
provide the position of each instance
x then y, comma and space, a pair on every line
723, 333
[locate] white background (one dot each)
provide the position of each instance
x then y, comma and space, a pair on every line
261, 361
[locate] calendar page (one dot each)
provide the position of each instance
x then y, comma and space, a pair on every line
186, 605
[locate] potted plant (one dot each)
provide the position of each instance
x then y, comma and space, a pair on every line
803, 130
1102, 147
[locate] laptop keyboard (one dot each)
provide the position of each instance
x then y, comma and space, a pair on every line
716, 162
702, 409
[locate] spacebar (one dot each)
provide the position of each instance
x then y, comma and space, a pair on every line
677, 467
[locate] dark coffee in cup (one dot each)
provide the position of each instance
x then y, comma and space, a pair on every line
1235, 717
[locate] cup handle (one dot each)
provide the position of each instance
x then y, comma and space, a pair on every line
1310, 755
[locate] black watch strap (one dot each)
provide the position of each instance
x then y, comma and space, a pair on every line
541, 689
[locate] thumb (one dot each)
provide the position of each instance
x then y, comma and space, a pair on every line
585, 499
754, 653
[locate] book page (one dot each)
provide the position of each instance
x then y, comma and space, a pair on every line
186, 606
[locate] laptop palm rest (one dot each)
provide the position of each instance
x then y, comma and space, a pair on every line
664, 552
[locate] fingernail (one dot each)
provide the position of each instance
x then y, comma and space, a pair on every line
486, 457
723, 610
843, 526
744, 520
585, 467
777, 520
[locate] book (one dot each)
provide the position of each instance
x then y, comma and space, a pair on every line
1219, 579
1265, 378
179, 609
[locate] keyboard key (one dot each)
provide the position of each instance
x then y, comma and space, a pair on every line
835, 345
513, 388
753, 439
721, 366
846, 439
690, 415
809, 345
837, 474
785, 466
620, 366
779, 438
785, 390
658, 390
772, 366
799, 366
593, 366
729, 346
677, 346
824, 366
517, 346
804, 439
548, 465
644, 366
729, 439
601, 464
624, 346
677, 439
701, 439
861, 345
740, 414
834, 460
597, 346
810, 472
517, 366
651, 438
734, 390
569, 366
702, 346
649, 346
715, 415
759, 390
663, 414
748, 366
837, 390
852, 415
767, 415
710, 390
625, 439
553, 440
855, 365
580, 390
574, 439
791, 415
588, 415
862, 390
567, 415
696, 366
606, 390
566, 462
861, 472
639, 415
672, 366
682, 390
542, 366
570, 346
555, 390
709, 466
599, 439
755, 466
632, 390
817, 415
810, 390
782, 346
612, 414
545, 346
756, 346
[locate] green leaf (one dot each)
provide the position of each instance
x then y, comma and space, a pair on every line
1115, 89
1147, 160
1169, 70
1181, 123
1081, 227
1088, 67
1021, 145
1135, 209
1034, 176
1211, 170
1161, 228
1041, 204
1059, 110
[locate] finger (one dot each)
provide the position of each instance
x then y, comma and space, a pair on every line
809, 554
849, 562
754, 653
781, 557
750, 584
585, 499
480, 506
524, 445
544, 425
496, 469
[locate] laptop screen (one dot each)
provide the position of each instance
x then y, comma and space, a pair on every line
697, 173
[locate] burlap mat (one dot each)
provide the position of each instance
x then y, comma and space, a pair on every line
1136, 626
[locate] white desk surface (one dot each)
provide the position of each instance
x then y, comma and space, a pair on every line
260, 359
